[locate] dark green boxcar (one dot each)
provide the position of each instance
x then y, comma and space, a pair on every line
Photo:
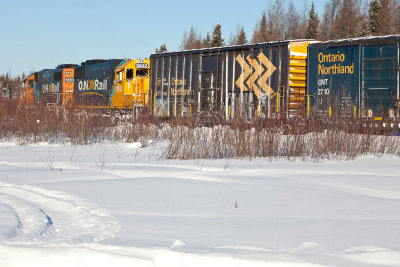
266, 79
358, 76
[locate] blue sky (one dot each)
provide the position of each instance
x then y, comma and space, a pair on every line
42, 34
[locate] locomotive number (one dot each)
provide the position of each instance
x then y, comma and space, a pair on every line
142, 66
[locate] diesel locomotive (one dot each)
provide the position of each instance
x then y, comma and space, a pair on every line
98, 83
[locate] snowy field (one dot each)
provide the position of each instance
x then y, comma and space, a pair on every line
117, 205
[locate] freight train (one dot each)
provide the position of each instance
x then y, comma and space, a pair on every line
300, 78
113, 83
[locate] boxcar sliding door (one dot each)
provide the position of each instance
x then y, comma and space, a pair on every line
210, 84
380, 79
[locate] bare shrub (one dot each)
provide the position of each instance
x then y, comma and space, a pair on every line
202, 136
340, 137
32, 124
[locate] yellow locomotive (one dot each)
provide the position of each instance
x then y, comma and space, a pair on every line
131, 84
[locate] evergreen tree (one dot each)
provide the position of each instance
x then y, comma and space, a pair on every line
239, 37
217, 40
313, 21
163, 49
261, 31
362, 26
207, 41
242, 39
373, 16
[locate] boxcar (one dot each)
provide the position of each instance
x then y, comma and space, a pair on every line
93, 82
358, 77
266, 79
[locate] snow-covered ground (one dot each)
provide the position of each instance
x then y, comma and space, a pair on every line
117, 205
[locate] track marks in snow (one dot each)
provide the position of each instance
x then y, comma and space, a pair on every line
43, 214
9, 223
31, 221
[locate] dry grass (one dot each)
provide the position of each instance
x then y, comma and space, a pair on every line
200, 136
224, 142
340, 137
32, 124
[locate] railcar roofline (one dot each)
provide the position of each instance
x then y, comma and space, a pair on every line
231, 47
360, 40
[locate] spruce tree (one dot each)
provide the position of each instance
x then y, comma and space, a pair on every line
162, 49
239, 37
263, 29
313, 21
242, 39
373, 16
362, 26
217, 40
207, 41
260, 33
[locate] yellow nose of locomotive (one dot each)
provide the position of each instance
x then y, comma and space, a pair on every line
131, 85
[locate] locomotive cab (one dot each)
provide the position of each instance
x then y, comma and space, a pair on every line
131, 85
29, 96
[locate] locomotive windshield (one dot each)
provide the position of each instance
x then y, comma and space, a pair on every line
142, 73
